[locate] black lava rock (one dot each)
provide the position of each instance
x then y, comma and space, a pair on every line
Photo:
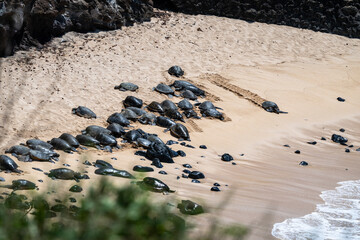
340, 99
215, 189
342, 130
202, 147
181, 153
196, 175
75, 188
297, 152
227, 157
347, 150
216, 184
163, 172
312, 143
186, 165
187, 171
156, 162
339, 139
195, 181
303, 163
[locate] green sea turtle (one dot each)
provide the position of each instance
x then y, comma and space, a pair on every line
180, 131
119, 119
167, 104
94, 130
185, 105
36, 155
212, 112
190, 207
187, 94
185, 85
127, 86
65, 174
147, 118
32, 143
271, 107
83, 112
61, 144
142, 142
165, 89
137, 110
154, 185
155, 107
164, 122
129, 114
6, 163
70, 139
116, 130
174, 114
18, 150
176, 71
113, 172
22, 184
131, 101
88, 141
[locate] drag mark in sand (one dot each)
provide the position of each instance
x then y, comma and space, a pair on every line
222, 82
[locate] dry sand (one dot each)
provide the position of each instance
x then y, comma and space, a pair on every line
239, 64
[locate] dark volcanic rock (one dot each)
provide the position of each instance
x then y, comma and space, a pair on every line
33, 23
339, 17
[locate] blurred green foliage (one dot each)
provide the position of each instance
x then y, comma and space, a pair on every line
105, 213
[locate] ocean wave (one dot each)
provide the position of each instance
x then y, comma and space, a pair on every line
337, 219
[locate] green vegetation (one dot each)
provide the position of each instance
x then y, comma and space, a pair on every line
105, 213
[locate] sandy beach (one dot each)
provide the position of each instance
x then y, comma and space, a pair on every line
238, 64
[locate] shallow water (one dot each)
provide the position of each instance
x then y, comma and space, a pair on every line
338, 218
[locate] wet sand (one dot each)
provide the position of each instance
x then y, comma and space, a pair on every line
239, 64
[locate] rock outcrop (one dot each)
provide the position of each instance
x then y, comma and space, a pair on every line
25, 23
340, 17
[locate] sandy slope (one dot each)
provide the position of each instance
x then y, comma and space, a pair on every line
238, 64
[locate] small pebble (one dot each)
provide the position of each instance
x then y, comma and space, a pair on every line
215, 189
358, 150
322, 138
342, 130
189, 146
87, 163
202, 147
40, 180
242, 155
187, 171
187, 165
347, 150
177, 177
66, 165
57, 200
286, 145
297, 152
350, 146
37, 169
195, 181
216, 184
233, 163
171, 142
312, 143
303, 163
340, 99
72, 199
114, 158
163, 172
184, 176
2, 179
183, 144
227, 157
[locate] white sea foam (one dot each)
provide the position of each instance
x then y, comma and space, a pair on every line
337, 219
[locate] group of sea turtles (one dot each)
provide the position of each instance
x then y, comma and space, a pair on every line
166, 114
